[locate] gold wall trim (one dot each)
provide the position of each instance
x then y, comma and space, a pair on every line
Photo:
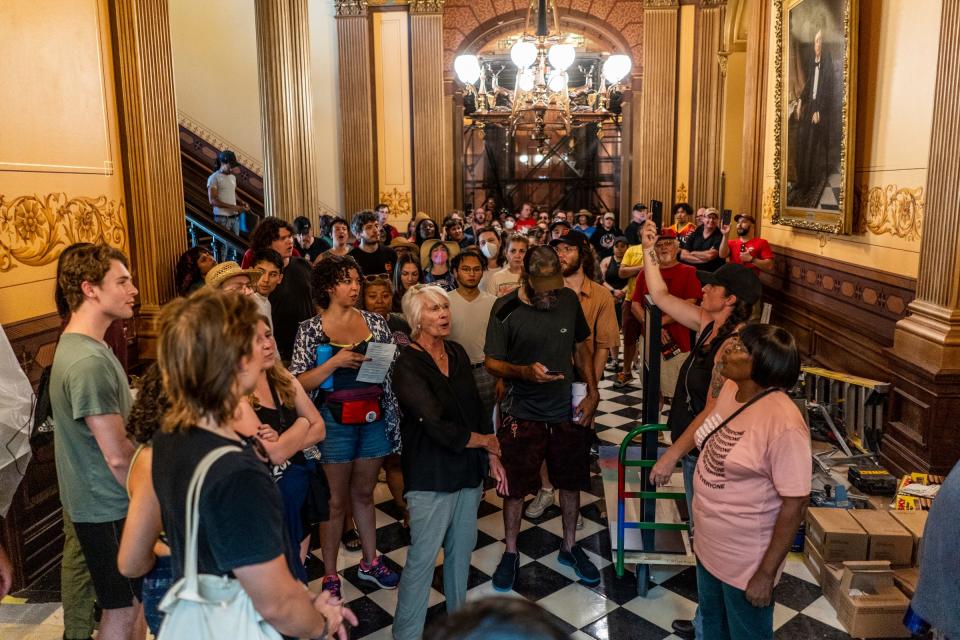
768, 204
426, 6
34, 229
681, 194
891, 210
351, 7
399, 203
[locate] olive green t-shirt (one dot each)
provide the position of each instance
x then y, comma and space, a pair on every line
86, 380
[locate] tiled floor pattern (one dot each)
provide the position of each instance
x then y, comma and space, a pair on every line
611, 610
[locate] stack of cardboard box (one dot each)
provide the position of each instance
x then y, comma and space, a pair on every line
865, 562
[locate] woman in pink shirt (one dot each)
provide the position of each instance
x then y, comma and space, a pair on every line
752, 484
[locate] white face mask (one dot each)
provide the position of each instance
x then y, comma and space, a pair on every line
508, 224
490, 249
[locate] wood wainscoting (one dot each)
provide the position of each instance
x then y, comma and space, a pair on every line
841, 315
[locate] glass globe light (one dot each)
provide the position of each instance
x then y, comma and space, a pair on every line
523, 53
538, 158
561, 56
524, 158
616, 68
525, 80
557, 80
467, 68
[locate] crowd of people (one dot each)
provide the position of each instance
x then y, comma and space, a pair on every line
460, 356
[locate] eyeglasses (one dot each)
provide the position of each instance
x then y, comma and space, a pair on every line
377, 277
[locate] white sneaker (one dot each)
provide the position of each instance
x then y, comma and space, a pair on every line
579, 522
543, 501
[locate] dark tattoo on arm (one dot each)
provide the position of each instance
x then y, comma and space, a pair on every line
652, 258
716, 382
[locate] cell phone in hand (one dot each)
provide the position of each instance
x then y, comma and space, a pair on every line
656, 213
553, 372
726, 217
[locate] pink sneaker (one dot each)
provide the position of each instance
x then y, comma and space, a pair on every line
379, 574
332, 584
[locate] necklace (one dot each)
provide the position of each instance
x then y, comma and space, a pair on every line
440, 358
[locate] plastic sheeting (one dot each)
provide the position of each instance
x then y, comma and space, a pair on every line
16, 406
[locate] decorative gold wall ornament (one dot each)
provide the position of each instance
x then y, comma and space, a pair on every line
722, 61
661, 4
351, 7
400, 202
34, 229
426, 6
681, 194
891, 210
793, 194
767, 204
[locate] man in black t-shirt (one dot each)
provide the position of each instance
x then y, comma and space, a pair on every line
605, 235
536, 336
702, 248
372, 258
638, 215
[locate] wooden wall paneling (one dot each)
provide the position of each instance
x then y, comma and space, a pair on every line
754, 108
708, 111
357, 141
430, 172
658, 100
151, 155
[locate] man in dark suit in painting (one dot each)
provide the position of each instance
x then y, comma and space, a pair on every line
813, 113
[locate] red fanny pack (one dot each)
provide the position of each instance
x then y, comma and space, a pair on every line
356, 406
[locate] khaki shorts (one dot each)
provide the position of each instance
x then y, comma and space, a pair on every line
669, 371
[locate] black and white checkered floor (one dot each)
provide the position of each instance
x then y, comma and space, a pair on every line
611, 610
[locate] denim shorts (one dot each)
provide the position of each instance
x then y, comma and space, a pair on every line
348, 442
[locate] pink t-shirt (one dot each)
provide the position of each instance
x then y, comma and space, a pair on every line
762, 454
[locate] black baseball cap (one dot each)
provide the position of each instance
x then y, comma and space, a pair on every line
542, 265
573, 238
227, 157
736, 279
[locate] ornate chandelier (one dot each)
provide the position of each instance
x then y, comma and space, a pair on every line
542, 98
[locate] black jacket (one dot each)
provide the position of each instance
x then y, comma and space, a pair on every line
439, 414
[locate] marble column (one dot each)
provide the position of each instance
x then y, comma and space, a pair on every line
430, 172
290, 183
754, 108
921, 431
709, 82
357, 142
653, 157
151, 156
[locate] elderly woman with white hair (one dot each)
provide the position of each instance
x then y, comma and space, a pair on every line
448, 449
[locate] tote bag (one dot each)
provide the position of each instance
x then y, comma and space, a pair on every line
208, 607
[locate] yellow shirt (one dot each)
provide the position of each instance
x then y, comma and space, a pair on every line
632, 258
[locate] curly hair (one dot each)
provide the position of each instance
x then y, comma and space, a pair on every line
327, 274
188, 271
202, 340
268, 232
146, 415
361, 219
63, 309
85, 263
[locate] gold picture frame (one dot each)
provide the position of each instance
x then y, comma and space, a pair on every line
815, 96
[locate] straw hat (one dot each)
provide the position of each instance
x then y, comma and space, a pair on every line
226, 270
427, 248
402, 243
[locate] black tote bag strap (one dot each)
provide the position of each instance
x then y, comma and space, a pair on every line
749, 402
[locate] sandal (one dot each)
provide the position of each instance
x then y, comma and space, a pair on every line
351, 540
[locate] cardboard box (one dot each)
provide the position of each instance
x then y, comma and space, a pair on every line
827, 574
836, 535
868, 604
812, 560
914, 522
888, 540
906, 580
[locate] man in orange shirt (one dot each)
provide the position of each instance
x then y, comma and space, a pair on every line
682, 212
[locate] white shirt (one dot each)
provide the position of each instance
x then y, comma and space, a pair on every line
468, 322
816, 79
266, 309
503, 282
226, 184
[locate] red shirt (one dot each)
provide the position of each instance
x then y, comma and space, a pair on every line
682, 282
757, 247
522, 225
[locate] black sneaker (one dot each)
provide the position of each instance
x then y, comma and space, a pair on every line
577, 558
684, 629
506, 572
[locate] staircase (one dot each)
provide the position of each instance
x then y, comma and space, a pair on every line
198, 159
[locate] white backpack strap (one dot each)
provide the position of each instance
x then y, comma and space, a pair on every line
190, 570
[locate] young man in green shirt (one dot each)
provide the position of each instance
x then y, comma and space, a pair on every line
90, 400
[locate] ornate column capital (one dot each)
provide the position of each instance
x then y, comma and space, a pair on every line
426, 6
351, 8
661, 4
708, 4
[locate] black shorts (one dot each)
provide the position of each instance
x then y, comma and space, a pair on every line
100, 542
525, 444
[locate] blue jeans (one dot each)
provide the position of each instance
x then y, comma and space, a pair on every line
689, 463
437, 519
231, 223
349, 442
726, 613
155, 586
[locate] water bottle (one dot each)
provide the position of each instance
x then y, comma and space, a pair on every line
324, 353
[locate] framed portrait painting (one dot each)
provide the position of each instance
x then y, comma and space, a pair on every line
815, 94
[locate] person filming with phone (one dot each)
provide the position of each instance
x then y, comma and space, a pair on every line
536, 338
746, 249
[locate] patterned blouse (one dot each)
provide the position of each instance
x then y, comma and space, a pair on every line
304, 359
